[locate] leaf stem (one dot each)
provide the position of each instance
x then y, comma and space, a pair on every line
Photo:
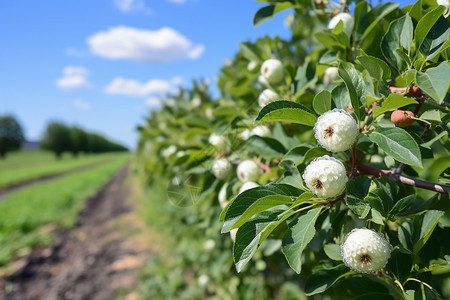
304, 208
397, 283
419, 281
404, 179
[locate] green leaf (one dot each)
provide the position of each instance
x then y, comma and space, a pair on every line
253, 233
341, 97
265, 146
322, 102
408, 77
226, 110
287, 141
400, 265
237, 206
267, 12
377, 68
332, 41
329, 57
406, 36
391, 42
437, 39
403, 56
296, 154
302, 198
435, 82
355, 85
365, 287
357, 190
432, 115
305, 76
300, 233
416, 11
380, 11
361, 13
397, 143
404, 235
333, 251
291, 175
286, 111
320, 281
315, 152
403, 204
263, 14
250, 51
194, 121
392, 102
261, 205
426, 23
376, 216
423, 228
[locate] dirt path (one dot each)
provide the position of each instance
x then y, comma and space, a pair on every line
32, 181
95, 260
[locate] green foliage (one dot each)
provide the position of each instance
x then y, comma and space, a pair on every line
397, 177
59, 138
11, 135
56, 138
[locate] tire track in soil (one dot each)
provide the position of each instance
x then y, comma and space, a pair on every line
94, 260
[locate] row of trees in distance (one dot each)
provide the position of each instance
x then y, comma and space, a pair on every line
57, 138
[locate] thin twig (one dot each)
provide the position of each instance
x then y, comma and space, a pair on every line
416, 111
341, 197
263, 166
404, 179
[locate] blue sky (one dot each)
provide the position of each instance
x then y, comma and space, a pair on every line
99, 64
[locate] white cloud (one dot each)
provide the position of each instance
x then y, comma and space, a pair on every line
81, 104
128, 6
132, 87
72, 82
196, 52
153, 102
177, 80
76, 70
74, 77
122, 42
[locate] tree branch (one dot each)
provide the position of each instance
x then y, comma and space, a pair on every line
404, 179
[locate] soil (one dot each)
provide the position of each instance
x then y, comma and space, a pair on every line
96, 260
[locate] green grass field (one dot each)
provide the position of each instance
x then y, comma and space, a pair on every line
25, 165
22, 158
58, 202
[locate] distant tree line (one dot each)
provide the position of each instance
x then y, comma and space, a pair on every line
11, 135
59, 138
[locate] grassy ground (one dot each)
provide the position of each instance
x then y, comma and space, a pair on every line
25, 165
24, 213
27, 158
150, 203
